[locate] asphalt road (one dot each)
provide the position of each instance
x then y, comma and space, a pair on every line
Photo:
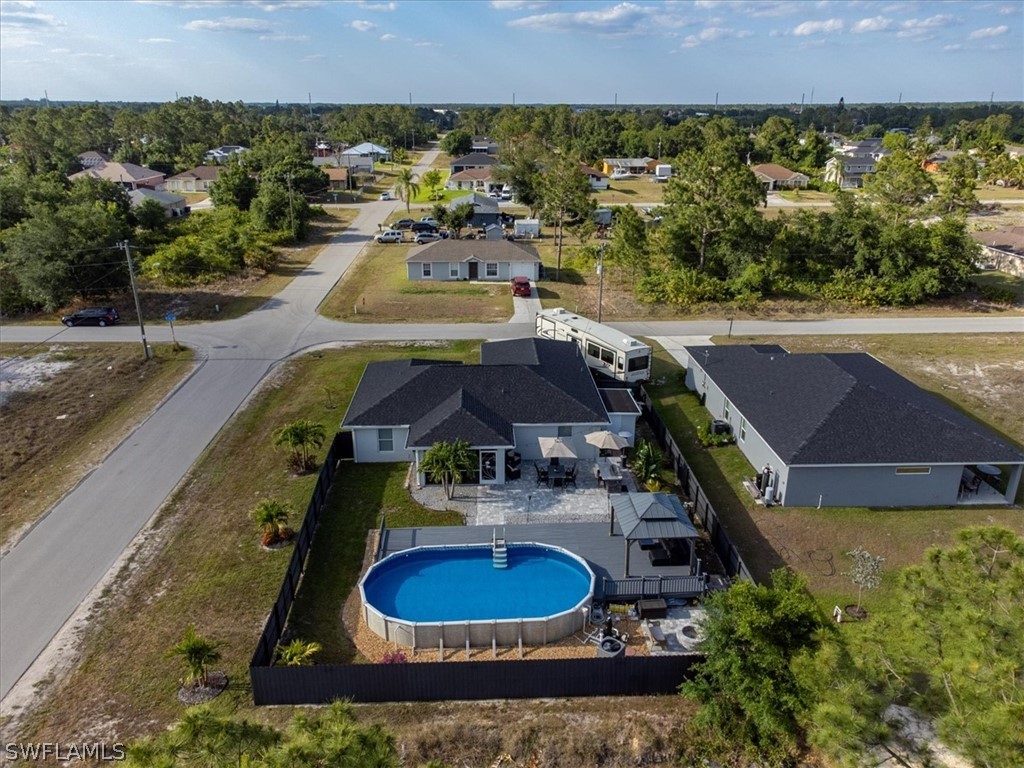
50, 571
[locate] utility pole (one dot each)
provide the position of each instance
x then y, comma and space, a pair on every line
135, 293
600, 283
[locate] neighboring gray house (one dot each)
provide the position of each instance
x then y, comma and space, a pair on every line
223, 154
840, 430
485, 144
174, 205
851, 164
485, 209
522, 390
490, 260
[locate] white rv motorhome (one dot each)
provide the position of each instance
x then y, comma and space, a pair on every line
612, 353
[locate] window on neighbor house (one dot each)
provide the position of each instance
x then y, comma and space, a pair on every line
725, 410
565, 431
385, 440
491, 269
453, 270
426, 270
743, 430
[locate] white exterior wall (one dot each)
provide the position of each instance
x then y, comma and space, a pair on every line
529, 448
624, 422
364, 440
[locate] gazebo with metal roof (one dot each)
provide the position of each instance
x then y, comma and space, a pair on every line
650, 516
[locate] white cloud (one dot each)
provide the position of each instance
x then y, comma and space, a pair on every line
923, 27
313, 57
263, 5
388, 36
711, 34
427, 44
362, 26
28, 19
953, 47
621, 20
818, 27
873, 24
978, 34
378, 7
766, 8
517, 5
228, 24
1008, 10
284, 37
155, 40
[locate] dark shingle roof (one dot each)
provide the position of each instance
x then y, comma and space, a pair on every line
524, 381
480, 203
619, 401
478, 159
845, 408
481, 250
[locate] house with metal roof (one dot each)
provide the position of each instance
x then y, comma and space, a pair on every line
522, 390
489, 260
843, 429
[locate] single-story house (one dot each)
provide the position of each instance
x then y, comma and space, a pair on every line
225, 153
367, 149
844, 430
337, 178
91, 158
484, 144
1004, 248
130, 175
352, 163
197, 179
474, 179
488, 260
637, 165
597, 179
485, 209
522, 390
473, 160
775, 177
174, 205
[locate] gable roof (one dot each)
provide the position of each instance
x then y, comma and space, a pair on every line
200, 172
166, 199
366, 148
845, 408
476, 158
588, 171
1009, 239
336, 174
463, 250
480, 203
535, 381
776, 172
472, 174
118, 172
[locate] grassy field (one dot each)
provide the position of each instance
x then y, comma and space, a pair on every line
376, 289
982, 375
56, 433
1004, 281
629, 191
805, 196
204, 564
992, 192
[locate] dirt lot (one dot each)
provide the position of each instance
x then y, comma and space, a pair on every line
64, 408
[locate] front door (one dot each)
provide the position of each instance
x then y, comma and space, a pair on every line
474, 267
488, 467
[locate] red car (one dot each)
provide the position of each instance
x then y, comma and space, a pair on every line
521, 287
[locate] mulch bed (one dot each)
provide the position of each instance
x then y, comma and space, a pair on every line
191, 695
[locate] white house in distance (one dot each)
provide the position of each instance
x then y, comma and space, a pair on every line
522, 390
844, 430
596, 179
485, 260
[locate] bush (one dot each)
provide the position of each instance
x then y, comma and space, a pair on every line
997, 294
707, 437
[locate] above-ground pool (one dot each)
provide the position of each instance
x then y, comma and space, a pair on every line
426, 595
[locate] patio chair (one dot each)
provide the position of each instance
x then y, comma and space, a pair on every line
570, 476
542, 474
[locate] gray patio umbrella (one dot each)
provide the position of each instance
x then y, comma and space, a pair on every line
556, 448
607, 441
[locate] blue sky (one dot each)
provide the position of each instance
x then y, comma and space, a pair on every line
475, 51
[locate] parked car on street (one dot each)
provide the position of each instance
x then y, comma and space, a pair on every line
427, 237
430, 220
403, 224
521, 287
385, 195
101, 316
389, 236
423, 226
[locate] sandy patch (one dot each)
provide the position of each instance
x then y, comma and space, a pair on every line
20, 374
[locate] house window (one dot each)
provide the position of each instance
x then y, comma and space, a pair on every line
565, 431
385, 440
426, 270
743, 430
725, 410
913, 470
453, 270
491, 269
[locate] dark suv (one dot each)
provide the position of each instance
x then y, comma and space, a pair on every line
423, 226
92, 316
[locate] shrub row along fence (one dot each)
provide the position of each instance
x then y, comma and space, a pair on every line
434, 681
702, 509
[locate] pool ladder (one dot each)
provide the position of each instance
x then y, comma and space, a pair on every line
499, 551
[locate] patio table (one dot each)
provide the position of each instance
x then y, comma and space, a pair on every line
556, 474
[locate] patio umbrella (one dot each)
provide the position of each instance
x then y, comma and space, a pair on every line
607, 441
555, 448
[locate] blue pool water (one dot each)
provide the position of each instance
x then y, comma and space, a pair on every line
462, 584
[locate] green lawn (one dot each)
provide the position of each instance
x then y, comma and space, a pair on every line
628, 191
805, 196
1001, 280
992, 192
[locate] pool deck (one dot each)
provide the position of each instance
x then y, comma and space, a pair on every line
605, 554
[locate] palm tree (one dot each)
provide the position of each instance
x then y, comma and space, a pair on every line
301, 437
407, 187
271, 517
298, 653
197, 653
445, 463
